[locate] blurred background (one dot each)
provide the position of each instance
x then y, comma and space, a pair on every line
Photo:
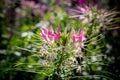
18, 18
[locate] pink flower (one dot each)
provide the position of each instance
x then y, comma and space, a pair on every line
80, 38
79, 11
50, 35
84, 9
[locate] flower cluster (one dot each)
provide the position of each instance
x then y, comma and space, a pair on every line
79, 38
49, 35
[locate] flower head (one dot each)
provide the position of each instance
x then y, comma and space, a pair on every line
82, 13
78, 38
49, 35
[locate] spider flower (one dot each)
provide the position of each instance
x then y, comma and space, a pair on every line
79, 11
49, 35
78, 38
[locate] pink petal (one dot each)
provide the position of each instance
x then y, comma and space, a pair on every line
57, 35
81, 35
44, 36
50, 35
44, 30
44, 33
